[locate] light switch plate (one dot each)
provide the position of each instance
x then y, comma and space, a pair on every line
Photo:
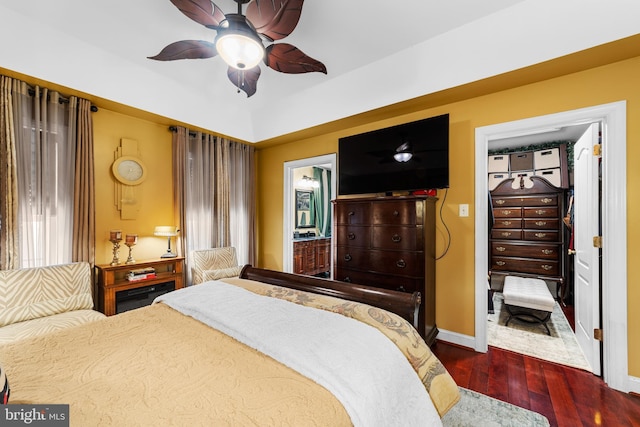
463, 210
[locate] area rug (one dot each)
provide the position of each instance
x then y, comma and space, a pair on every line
531, 339
477, 410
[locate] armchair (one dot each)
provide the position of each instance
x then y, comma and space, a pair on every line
214, 264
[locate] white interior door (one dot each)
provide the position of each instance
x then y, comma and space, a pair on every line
586, 205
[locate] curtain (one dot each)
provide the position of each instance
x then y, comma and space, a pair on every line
84, 206
9, 250
46, 176
215, 193
322, 201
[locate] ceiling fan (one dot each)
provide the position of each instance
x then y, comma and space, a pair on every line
240, 39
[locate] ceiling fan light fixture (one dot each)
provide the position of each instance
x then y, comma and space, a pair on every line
238, 43
403, 153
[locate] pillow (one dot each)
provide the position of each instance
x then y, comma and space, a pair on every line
4, 388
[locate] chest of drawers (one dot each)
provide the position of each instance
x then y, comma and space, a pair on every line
527, 237
389, 242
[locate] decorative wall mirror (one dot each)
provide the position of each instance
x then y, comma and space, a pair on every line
303, 209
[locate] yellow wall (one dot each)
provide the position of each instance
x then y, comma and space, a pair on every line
455, 272
154, 196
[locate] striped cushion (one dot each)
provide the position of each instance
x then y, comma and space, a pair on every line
4, 387
32, 293
213, 259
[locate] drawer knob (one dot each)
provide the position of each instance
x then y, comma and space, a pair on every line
547, 251
401, 263
540, 212
506, 223
396, 213
500, 202
347, 279
506, 212
401, 289
500, 263
547, 267
351, 213
501, 249
347, 257
540, 235
351, 236
396, 238
505, 234
546, 200
541, 223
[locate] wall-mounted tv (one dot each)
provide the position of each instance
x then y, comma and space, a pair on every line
407, 157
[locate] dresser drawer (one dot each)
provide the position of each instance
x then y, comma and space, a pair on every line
353, 213
542, 235
505, 202
350, 257
400, 263
542, 200
507, 212
508, 223
353, 235
397, 238
506, 234
527, 250
394, 212
540, 212
525, 265
403, 284
542, 223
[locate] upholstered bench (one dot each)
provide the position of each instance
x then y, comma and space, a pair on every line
524, 296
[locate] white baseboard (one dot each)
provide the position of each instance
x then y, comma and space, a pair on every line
456, 338
634, 384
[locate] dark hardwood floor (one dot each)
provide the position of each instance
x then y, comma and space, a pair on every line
568, 397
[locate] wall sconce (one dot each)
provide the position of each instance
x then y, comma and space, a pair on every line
307, 182
167, 231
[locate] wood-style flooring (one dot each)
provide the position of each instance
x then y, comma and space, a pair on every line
568, 397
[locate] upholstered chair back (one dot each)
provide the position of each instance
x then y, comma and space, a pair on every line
214, 264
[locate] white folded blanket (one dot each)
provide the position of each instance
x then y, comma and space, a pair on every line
365, 370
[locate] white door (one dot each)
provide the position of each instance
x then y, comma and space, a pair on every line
586, 205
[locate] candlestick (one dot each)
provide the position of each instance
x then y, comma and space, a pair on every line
130, 240
115, 236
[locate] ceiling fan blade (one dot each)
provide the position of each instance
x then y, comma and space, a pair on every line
275, 19
204, 12
245, 80
186, 49
289, 59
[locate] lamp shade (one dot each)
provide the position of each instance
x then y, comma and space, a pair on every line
166, 231
238, 43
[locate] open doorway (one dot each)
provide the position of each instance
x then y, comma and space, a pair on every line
614, 268
297, 221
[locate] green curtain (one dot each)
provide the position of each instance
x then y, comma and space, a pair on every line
321, 206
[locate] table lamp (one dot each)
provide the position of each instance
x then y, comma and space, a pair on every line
167, 231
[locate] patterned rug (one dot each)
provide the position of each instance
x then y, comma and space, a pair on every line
477, 410
532, 340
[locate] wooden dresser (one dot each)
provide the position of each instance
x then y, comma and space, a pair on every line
312, 256
389, 242
527, 238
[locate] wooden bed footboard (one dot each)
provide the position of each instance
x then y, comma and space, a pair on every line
403, 304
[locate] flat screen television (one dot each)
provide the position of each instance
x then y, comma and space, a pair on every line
408, 157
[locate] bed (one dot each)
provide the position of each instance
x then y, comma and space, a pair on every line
266, 348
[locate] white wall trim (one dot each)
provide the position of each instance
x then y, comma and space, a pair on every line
613, 117
287, 209
456, 338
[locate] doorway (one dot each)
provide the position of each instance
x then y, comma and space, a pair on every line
327, 161
614, 233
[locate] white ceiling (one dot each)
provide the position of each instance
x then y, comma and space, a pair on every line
376, 52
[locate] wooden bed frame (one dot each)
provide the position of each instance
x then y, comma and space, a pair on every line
403, 304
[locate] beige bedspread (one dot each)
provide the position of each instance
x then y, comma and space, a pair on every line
169, 370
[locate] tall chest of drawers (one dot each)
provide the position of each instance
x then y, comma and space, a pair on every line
389, 242
527, 237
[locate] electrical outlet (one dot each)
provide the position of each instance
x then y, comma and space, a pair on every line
463, 210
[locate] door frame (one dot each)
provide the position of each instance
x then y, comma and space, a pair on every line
288, 203
613, 117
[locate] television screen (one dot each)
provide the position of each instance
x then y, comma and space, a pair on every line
407, 157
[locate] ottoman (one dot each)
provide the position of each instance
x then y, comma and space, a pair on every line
528, 300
